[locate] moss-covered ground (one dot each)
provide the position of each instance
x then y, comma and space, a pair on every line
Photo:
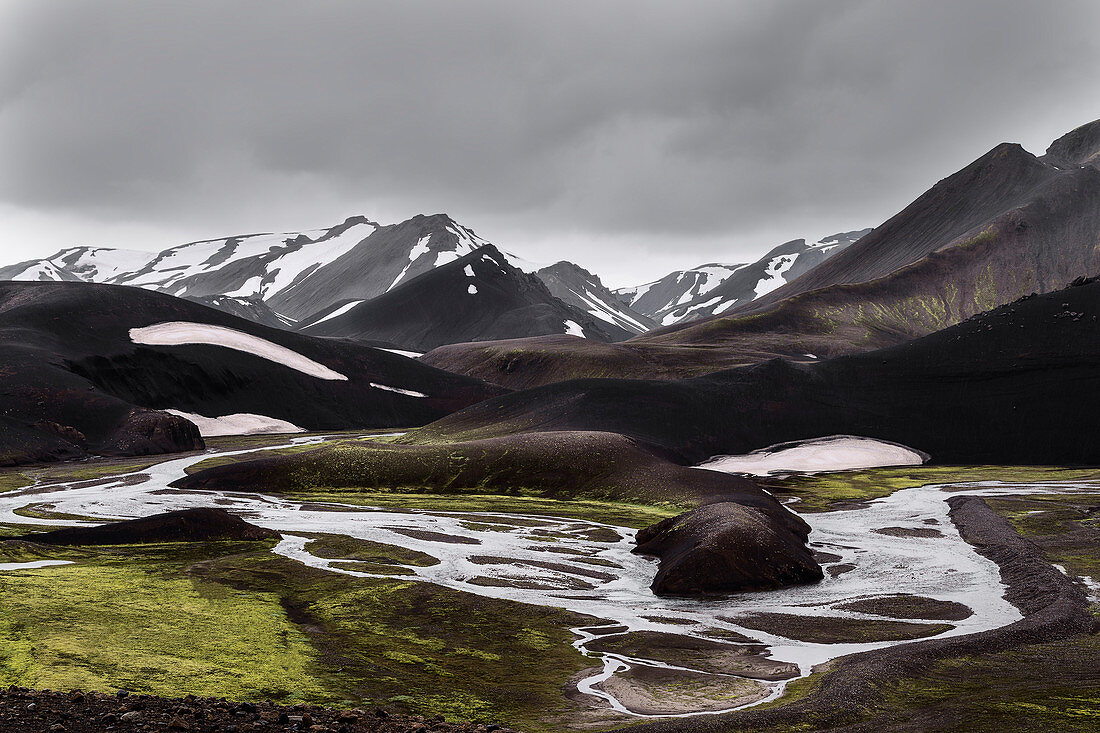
623, 514
234, 620
828, 491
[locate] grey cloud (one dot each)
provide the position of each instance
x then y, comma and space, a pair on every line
630, 124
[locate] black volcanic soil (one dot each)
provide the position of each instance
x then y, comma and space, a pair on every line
1019, 384
38, 711
74, 383
186, 525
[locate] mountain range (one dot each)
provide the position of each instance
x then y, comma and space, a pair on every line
686, 295
296, 280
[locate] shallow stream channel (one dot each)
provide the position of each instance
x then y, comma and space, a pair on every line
895, 570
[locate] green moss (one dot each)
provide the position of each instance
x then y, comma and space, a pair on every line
823, 492
12, 480
983, 238
623, 514
231, 619
985, 290
342, 547
1007, 691
96, 627
425, 648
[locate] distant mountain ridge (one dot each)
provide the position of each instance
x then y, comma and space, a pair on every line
477, 297
687, 295
578, 287
286, 278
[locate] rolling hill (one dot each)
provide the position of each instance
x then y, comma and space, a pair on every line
94, 369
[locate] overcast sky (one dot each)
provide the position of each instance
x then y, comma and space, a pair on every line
631, 137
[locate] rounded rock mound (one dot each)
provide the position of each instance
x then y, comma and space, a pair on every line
186, 525
725, 548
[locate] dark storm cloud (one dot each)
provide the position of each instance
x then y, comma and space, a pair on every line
624, 123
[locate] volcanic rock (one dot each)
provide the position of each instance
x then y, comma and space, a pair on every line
725, 548
186, 525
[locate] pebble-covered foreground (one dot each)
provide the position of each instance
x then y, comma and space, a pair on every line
24, 711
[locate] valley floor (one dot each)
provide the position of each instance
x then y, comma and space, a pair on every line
344, 612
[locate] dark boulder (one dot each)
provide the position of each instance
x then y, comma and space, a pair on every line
186, 525
725, 548
148, 432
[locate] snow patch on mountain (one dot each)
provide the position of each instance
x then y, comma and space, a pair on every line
334, 314
773, 274
832, 453
239, 423
686, 295
295, 263
182, 333
398, 390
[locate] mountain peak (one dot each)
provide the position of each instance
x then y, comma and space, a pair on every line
1078, 147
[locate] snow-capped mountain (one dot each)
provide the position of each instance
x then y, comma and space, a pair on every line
288, 278
578, 287
676, 288
479, 297
686, 295
294, 273
251, 309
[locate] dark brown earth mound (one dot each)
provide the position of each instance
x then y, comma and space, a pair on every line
725, 548
829, 630
37, 711
905, 605
186, 525
561, 465
749, 659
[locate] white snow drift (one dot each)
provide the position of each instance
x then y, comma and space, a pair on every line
180, 333
834, 453
239, 423
398, 390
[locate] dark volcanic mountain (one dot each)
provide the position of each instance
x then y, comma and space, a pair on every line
475, 298
1007, 225
579, 288
89, 368
1019, 384
687, 295
251, 309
